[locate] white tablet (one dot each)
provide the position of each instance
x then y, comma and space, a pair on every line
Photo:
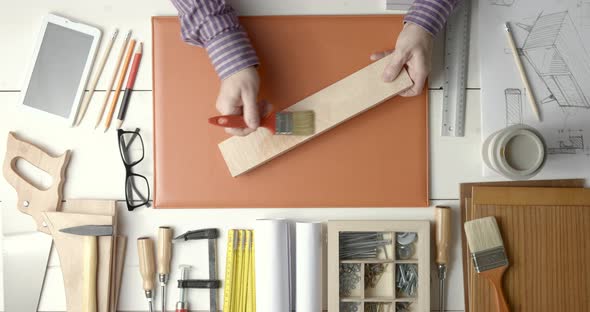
62, 61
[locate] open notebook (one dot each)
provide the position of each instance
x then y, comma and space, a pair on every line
377, 159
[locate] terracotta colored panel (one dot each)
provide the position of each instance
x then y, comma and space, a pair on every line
379, 158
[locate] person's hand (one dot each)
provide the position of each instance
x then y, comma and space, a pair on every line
237, 96
414, 49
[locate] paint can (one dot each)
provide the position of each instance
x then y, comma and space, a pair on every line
516, 152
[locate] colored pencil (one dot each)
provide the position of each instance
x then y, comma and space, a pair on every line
110, 86
129, 87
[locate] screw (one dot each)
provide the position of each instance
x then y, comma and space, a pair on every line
26, 203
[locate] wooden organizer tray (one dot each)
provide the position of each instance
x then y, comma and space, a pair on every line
385, 290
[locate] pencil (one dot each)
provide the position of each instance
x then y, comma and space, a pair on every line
110, 86
129, 87
122, 75
92, 86
523, 76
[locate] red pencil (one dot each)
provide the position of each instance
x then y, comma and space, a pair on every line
129, 87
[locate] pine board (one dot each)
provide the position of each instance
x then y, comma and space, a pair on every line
332, 105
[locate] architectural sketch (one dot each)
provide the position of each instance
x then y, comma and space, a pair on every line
573, 143
507, 3
556, 51
513, 99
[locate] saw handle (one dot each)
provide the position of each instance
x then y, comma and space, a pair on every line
32, 200
442, 219
90, 266
145, 249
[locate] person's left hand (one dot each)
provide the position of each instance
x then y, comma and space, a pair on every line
413, 49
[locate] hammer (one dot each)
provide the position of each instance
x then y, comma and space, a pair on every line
90, 233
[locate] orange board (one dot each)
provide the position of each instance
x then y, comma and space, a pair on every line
377, 159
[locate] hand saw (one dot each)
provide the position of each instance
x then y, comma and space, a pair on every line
26, 253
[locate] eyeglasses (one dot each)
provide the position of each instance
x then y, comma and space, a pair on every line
137, 188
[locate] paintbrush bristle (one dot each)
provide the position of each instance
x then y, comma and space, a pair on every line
295, 123
486, 245
483, 234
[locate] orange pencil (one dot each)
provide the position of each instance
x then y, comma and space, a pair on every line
122, 75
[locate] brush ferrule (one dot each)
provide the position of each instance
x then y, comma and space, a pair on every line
489, 259
284, 123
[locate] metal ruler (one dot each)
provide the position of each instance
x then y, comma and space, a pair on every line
456, 59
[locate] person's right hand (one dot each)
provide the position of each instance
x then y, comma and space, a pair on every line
237, 96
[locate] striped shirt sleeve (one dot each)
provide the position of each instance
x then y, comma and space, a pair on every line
430, 14
214, 25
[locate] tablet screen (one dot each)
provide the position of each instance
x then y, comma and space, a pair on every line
58, 70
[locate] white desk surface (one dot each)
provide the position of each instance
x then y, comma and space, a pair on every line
95, 170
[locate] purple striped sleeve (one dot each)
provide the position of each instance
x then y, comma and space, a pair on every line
430, 14
214, 25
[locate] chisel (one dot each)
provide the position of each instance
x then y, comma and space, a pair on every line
145, 249
164, 256
442, 219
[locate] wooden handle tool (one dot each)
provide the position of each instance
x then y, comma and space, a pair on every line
147, 268
442, 219
89, 273
90, 258
165, 235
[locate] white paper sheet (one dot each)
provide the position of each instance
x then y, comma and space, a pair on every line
554, 42
308, 242
273, 273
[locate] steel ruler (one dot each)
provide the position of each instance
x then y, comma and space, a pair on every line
456, 59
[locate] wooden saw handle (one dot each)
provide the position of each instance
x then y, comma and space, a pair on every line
32, 200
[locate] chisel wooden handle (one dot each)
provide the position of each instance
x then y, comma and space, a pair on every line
442, 219
145, 249
164, 249
90, 258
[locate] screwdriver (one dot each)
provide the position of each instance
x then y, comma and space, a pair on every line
182, 304
442, 219
145, 248
164, 255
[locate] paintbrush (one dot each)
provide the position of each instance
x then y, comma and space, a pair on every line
488, 254
285, 123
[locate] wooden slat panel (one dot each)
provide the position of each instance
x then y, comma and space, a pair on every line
547, 250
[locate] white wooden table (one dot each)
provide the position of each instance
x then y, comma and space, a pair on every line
95, 170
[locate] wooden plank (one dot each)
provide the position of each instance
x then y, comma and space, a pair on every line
333, 105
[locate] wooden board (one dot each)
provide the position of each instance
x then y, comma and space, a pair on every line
333, 105
465, 201
377, 159
386, 291
545, 232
